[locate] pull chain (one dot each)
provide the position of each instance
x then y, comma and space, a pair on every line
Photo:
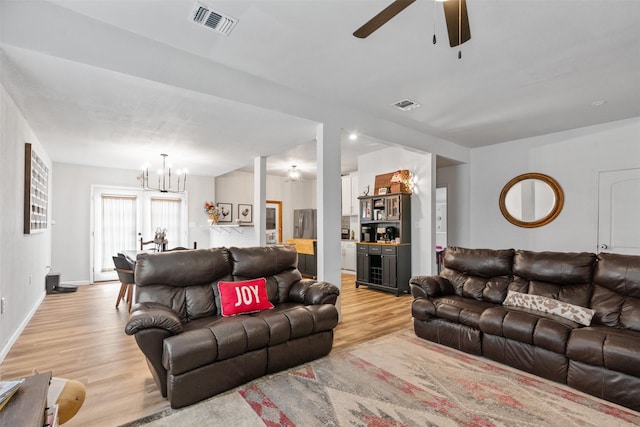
434, 21
460, 29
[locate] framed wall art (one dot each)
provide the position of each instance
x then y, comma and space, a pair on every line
226, 212
245, 213
36, 192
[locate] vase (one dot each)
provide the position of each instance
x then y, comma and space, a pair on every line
213, 220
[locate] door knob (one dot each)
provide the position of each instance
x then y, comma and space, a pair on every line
603, 246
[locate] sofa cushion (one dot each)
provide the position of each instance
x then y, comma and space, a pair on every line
188, 303
564, 276
481, 274
182, 280
223, 338
278, 264
183, 268
479, 262
289, 321
613, 348
616, 296
527, 326
458, 309
247, 296
572, 312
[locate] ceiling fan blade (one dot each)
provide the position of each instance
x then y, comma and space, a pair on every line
382, 18
452, 18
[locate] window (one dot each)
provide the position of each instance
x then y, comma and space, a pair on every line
165, 214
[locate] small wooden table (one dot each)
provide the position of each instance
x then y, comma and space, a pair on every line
29, 405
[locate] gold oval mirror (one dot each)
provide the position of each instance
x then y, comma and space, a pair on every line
531, 200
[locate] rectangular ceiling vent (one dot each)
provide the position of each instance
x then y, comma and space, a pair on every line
216, 21
406, 104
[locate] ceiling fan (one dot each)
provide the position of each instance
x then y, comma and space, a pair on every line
455, 12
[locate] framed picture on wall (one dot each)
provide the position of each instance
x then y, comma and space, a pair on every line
226, 212
245, 213
36, 192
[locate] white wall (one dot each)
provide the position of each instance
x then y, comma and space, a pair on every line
72, 213
574, 158
23, 258
237, 187
422, 201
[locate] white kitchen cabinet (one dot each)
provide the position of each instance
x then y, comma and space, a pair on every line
346, 195
349, 255
350, 203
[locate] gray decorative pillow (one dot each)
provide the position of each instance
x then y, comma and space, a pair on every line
572, 312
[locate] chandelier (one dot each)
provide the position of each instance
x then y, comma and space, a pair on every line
294, 175
164, 178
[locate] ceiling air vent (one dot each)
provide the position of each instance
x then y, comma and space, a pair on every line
406, 104
216, 21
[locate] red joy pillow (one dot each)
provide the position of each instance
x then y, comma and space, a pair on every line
247, 296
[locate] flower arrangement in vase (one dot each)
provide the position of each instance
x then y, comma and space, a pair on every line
213, 211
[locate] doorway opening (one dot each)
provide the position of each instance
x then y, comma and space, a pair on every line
274, 222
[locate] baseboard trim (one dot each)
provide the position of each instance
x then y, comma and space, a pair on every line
76, 282
23, 325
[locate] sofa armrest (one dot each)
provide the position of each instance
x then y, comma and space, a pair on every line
153, 315
311, 292
430, 286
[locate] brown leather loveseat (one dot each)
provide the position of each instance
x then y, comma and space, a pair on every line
573, 318
193, 351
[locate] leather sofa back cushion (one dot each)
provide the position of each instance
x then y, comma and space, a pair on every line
565, 268
189, 303
616, 297
479, 262
183, 268
620, 273
481, 274
564, 276
493, 289
263, 261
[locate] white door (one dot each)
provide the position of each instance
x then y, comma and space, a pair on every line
116, 221
274, 222
619, 212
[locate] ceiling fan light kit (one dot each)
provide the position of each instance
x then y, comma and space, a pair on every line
455, 13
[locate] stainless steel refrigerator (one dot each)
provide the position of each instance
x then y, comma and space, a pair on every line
304, 224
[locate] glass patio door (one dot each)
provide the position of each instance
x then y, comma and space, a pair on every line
122, 216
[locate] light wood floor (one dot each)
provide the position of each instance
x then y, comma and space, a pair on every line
81, 336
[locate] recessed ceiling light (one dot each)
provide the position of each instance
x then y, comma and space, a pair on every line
598, 103
353, 136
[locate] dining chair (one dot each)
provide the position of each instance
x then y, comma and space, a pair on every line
158, 247
125, 274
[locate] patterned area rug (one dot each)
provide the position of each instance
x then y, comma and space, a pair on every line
399, 380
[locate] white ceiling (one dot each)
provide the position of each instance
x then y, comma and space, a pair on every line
116, 83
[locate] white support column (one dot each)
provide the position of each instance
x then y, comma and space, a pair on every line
259, 200
329, 190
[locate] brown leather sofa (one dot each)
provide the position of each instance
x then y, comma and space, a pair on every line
463, 308
193, 352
